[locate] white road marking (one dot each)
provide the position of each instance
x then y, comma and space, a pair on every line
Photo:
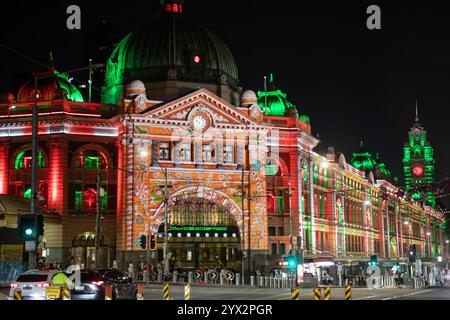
367, 297
407, 295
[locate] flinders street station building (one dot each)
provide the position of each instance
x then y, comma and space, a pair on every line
232, 176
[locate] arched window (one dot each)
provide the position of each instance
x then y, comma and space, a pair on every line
91, 159
24, 160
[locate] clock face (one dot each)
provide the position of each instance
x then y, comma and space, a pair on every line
199, 123
417, 171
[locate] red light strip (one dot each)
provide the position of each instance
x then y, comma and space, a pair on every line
52, 113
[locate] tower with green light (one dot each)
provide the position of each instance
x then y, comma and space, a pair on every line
418, 164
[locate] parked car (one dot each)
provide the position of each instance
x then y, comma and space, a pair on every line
32, 284
93, 284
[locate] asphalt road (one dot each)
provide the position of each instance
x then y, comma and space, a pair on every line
154, 292
239, 293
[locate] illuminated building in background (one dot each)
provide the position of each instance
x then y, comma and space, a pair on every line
241, 167
418, 164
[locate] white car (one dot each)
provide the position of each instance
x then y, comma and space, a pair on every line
32, 284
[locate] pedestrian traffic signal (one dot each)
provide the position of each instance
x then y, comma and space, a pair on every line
290, 261
143, 241
31, 226
412, 253
373, 260
153, 241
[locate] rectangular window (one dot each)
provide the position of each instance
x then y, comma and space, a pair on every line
274, 249
78, 200
91, 162
186, 154
280, 231
228, 154
272, 231
282, 248
164, 151
280, 204
208, 153
280, 201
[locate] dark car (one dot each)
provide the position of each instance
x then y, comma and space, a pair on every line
93, 284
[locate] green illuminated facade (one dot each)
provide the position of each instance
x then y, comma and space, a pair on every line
274, 102
418, 163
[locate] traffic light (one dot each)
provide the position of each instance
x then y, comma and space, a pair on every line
143, 241
28, 229
373, 260
153, 241
412, 253
290, 261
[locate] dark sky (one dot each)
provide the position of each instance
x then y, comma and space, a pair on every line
355, 84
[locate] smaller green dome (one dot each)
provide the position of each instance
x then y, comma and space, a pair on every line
50, 87
273, 102
305, 119
363, 160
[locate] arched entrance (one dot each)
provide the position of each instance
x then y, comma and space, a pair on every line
83, 250
203, 230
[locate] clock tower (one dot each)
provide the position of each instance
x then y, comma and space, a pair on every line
418, 164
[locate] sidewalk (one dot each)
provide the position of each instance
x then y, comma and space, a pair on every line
3, 296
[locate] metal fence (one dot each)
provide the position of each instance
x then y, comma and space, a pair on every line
10, 271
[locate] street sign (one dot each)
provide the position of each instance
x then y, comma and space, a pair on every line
30, 246
340, 250
340, 266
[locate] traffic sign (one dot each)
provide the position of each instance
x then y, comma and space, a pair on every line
30, 246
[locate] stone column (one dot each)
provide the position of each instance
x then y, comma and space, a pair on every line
4, 167
311, 205
219, 153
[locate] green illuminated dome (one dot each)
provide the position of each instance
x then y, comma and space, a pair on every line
363, 160
170, 48
381, 167
273, 102
54, 87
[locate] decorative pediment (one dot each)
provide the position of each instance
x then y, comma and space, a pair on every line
201, 101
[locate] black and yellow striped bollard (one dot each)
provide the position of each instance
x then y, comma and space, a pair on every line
317, 293
187, 291
17, 295
66, 294
295, 294
166, 294
327, 293
348, 293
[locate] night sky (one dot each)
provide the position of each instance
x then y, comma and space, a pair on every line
355, 84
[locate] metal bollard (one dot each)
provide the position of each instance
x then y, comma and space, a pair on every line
190, 277
141, 289
238, 279
159, 276
271, 282
145, 276
222, 279
283, 283
205, 277
175, 276
261, 282
252, 281
266, 281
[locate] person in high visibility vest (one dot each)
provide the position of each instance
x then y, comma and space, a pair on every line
61, 279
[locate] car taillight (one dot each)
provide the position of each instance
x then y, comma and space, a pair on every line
14, 285
97, 283
43, 285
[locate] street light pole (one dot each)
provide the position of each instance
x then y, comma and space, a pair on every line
32, 257
166, 202
98, 222
243, 227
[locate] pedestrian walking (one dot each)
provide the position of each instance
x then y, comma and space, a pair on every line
131, 270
